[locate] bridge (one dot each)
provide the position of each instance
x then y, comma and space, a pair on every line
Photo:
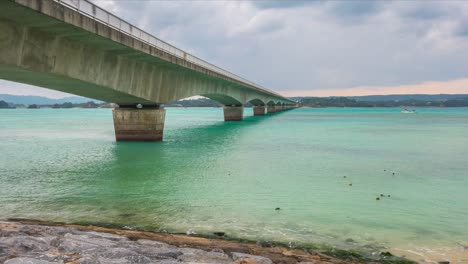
76, 47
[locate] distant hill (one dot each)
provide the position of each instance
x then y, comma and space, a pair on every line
419, 100
41, 100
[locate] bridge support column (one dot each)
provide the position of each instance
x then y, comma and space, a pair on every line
233, 113
271, 109
258, 110
144, 124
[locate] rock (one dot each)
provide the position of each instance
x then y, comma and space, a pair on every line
88, 260
350, 184
277, 208
386, 254
192, 255
378, 198
170, 254
153, 243
27, 261
217, 250
221, 234
104, 235
251, 259
72, 242
443, 262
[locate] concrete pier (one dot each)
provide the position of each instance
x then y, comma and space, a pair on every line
271, 109
133, 124
233, 113
258, 110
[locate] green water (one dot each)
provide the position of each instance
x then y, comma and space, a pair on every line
208, 175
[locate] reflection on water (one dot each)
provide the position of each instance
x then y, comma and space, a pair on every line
323, 167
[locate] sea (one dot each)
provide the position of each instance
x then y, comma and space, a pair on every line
368, 179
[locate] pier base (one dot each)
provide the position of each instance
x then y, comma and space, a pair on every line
233, 113
271, 109
132, 124
258, 110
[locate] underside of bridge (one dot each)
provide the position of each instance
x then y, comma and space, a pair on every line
46, 44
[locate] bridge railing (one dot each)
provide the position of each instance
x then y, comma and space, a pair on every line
97, 13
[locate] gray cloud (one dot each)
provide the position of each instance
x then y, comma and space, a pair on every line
264, 4
353, 8
303, 45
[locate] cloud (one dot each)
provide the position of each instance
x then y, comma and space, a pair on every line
353, 11
268, 4
448, 87
7, 87
314, 45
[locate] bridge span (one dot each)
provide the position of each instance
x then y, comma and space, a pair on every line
77, 47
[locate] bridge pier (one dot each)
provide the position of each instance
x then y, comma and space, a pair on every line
233, 113
132, 124
271, 109
258, 110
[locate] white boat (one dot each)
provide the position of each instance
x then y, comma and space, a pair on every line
406, 111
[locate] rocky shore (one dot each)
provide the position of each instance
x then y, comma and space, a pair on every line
36, 242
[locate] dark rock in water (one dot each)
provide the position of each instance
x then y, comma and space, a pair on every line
381, 195
126, 215
393, 173
277, 208
388, 195
219, 233
350, 184
384, 170
344, 176
378, 198
386, 254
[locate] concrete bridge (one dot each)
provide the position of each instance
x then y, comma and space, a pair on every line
76, 47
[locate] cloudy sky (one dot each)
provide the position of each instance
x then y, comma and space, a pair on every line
315, 47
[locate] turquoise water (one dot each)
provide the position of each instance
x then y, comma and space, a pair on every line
208, 175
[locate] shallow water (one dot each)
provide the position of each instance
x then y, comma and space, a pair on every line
209, 175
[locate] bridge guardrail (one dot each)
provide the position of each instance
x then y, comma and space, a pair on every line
97, 13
